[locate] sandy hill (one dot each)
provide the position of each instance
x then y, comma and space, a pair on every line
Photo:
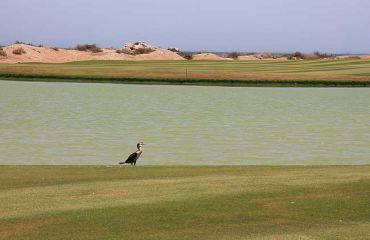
208, 56
139, 51
54, 55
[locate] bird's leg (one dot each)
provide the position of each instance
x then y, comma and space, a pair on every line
135, 163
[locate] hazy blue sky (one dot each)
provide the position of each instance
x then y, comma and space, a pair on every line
337, 26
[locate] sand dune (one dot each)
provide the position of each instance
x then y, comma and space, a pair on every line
208, 56
50, 55
139, 51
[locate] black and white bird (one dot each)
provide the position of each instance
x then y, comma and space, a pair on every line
135, 155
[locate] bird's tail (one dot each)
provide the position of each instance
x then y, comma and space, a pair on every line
121, 163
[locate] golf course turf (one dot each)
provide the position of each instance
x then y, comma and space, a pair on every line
184, 202
340, 73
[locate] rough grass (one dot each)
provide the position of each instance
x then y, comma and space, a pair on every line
97, 202
317, 72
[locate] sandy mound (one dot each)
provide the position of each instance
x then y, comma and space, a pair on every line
208, 56
260, 56
50, 55
161, 54
53, 55
351, 57
248, 58
143, 51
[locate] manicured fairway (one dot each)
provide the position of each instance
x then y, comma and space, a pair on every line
316, 72
110, 202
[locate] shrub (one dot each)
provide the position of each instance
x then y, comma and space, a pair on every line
186, 55
19, 51
233, 55
201, 52
266, 55
173, 49
295, 56
55, 48
299, 55
88, 48
2, 52
119, 51
322, 55
143, 51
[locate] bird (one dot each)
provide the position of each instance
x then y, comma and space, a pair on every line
135, 155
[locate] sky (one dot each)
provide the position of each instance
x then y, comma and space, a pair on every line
333, 26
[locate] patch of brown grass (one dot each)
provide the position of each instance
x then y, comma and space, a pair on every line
111, 194
8, 229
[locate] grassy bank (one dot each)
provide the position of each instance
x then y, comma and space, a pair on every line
225, 73
98, 202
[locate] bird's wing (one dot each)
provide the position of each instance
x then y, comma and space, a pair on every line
131, 158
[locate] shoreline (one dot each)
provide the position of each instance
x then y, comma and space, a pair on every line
187, 82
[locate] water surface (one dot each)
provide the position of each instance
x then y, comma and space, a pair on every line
72, 123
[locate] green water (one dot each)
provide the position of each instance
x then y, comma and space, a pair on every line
72, 123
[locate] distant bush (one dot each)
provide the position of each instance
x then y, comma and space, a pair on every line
322, 55
55, 48
266, 55
295, 56
19, 51
143, 51
186, 55
88, 48
314, 56
233, 55
299, 55
30, 44
173, 49
2, 52
119, 51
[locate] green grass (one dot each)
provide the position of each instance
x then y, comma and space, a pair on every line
109, 202
229, 73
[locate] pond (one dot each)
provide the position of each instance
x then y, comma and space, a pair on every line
87, 123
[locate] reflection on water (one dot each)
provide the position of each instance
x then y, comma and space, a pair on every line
71, 123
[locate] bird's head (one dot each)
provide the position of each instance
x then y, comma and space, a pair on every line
140, 145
